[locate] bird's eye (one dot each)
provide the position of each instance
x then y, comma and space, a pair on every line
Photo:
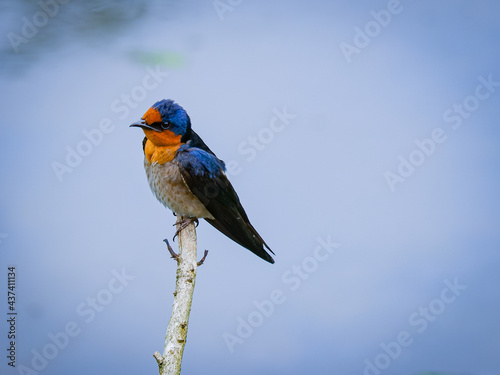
165, 125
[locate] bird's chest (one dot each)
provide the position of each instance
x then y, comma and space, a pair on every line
169, 187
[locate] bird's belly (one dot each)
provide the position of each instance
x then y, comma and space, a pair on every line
168, 186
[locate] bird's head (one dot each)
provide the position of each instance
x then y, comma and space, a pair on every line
166, 123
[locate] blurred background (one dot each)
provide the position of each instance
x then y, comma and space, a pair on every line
362, 139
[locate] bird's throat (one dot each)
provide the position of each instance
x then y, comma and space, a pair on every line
160, 154
163, 138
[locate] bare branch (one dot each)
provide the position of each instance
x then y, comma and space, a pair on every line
175, 339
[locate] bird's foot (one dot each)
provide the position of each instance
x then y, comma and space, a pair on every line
183, 224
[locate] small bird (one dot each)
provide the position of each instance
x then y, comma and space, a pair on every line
187, 177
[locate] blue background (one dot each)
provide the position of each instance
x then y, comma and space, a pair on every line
321, 177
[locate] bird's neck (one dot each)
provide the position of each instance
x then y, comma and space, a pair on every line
160, 154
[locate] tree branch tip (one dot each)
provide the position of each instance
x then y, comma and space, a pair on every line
159, 359
202, 260
173, 255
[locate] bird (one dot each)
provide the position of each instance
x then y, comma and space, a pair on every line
189, 179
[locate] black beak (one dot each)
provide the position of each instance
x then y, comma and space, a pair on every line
142, 124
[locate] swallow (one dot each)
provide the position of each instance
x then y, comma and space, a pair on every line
189, 179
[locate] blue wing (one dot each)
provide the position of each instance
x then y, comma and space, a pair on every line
205, 177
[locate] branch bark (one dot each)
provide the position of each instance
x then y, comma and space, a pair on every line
175, 338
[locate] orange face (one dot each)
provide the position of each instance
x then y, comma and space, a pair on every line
151, 116
163, 138
161, 146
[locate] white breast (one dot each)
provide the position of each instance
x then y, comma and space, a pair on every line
168, 186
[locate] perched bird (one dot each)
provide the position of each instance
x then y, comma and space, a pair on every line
187, 177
